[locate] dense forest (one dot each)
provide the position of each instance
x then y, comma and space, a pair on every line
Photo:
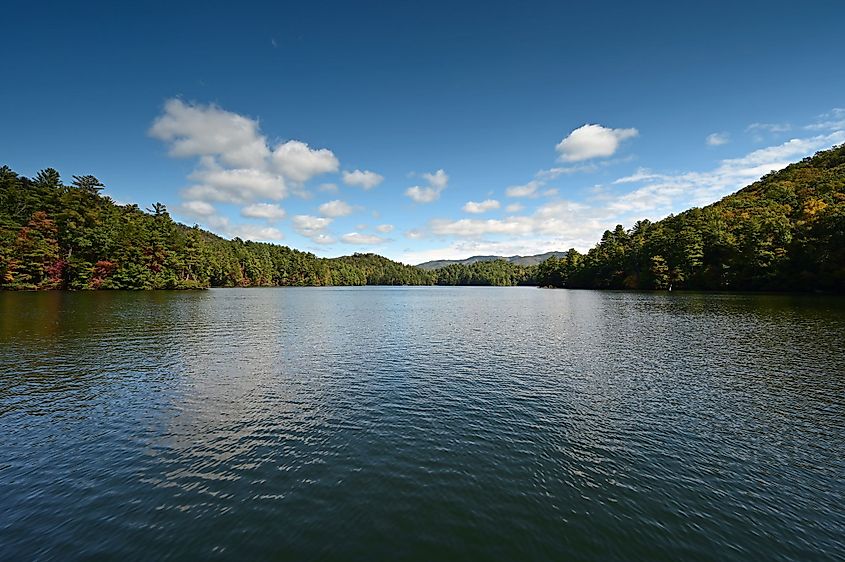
57, 236
785, 232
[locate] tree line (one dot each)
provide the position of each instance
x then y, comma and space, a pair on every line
58, 236
785, 232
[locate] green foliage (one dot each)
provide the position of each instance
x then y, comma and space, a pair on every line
785, 232
54, 236
497, 273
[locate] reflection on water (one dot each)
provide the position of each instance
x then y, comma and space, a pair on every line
422, 423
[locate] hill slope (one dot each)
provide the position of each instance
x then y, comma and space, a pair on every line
517, 260
55, 236
784, 232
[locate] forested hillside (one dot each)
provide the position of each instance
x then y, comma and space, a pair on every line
56, 236
517, 260
785, 232
498, 273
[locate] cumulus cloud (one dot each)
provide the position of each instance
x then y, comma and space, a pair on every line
717, 139
364, 179
514, 207
323, 239
207, 130
235, 163
336, 208
256, 233
437, 182
385, 228
197, 208
592, 141
362, 239
299, 162
481, 206
313, 228
266, 211
527, 190
328, 187
414, 233
239, 185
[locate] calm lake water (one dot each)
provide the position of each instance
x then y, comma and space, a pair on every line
421, 423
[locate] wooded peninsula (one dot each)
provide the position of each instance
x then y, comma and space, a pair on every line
784, 232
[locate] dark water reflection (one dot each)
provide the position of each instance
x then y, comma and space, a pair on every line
421, 423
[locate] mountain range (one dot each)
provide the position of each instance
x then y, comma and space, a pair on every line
516, 260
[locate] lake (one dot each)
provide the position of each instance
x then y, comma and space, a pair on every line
421, 423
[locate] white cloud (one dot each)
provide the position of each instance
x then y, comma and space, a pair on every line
482, 206
642, 174
759, 131
514, 207
385, 228
527, 190
323, 239
267, 211
237, 185
832, 120
207, 130
554, 173
313, 228
197, 208
560, 225
362, 178
717, 139
328, 188
560, 218
769, 127
336, 208
776, 157
422, 194
362, 239
665, 193
437, 182
235, 163
299, 162
592, 141
414, 234
256, 233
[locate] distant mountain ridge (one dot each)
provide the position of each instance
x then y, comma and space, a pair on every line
517, 260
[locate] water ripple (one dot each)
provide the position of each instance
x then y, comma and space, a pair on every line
421, 423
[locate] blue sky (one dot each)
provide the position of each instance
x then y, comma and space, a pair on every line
420, 130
